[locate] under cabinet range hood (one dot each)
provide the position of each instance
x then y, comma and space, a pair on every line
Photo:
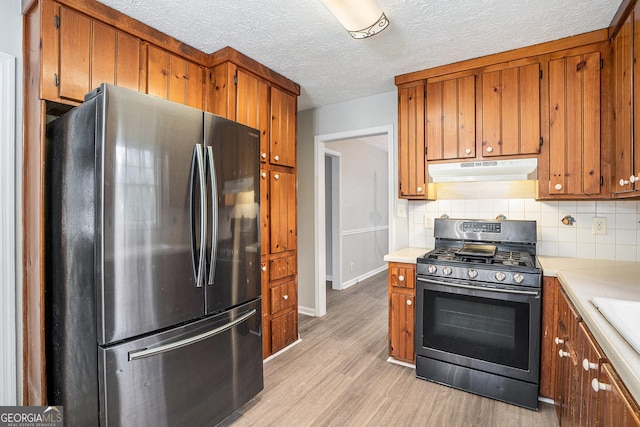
486, 170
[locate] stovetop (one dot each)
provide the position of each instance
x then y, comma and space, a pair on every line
501, 257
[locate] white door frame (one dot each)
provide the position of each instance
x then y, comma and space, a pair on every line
336, 218
319, 235
8, 320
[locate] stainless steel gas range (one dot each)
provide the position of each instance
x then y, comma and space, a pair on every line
478, 308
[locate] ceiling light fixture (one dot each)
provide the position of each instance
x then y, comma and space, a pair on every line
361, 18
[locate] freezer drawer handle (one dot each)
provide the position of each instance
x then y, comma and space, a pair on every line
148, 352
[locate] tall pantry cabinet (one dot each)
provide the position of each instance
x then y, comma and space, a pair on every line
70, 47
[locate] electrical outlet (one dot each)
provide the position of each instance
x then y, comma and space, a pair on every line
428, 221
598, 225
401, 211
352, 265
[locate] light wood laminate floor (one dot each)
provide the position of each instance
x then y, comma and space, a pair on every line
338, 376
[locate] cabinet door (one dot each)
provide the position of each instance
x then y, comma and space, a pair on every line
128, 61
574, 124
75, 55
283, 128
284, 330
616, 407
174, 78
282, 211
451, 121
253, 107
411, 142
589, 360
511, 111
549, 348
401, 326
265, 213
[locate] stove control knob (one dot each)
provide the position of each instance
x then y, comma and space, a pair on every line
446, 271
500, 276
519, 278
473, 273
432, 269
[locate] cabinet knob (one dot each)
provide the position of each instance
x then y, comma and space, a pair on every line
263, 268
558, 187
419, 189
276, 176
467, 151
623, 182
263, 155
597, 385
586, 365
401, 278
558, 341
633, 179
489, 149
563, 353
285, 297
276, 158
409, 302
263, 174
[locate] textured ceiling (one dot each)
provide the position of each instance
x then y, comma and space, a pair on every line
302, 40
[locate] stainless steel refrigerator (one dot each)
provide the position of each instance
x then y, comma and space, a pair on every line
153, 305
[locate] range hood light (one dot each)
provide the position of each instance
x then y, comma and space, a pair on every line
361, 18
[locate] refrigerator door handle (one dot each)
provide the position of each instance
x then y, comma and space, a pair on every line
197, 162
214, 214
148, 352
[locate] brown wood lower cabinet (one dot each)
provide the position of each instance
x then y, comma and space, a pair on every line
402, 296
586, 389
284, 330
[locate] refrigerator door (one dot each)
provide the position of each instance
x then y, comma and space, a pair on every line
233, 187
194, 375
149, 173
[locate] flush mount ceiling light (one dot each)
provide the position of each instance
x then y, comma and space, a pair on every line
361, 18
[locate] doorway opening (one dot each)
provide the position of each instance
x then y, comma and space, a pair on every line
353, 208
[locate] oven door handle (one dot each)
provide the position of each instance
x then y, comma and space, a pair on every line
459, 285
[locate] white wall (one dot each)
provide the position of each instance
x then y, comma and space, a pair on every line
364, 208
363, 113
11, 44
621, 242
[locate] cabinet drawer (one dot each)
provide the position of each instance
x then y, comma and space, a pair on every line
282, 297
282, 267
402, 275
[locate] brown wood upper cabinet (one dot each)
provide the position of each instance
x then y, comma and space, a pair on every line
283, 128
626, 106
451, 119
411, 141
174, 78
79, 53
510, 111
574, 124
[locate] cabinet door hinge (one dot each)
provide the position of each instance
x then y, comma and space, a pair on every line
235, 80
56, 80
541, 141
56, 21
540, 74
601, 180
601, 64
425, 150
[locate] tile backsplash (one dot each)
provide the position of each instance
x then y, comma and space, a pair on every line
620, 241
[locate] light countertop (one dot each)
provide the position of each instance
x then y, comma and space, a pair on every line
585, 279
407, 255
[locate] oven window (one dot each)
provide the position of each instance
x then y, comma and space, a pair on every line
486, 329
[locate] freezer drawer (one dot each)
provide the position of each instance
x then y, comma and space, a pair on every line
194, 375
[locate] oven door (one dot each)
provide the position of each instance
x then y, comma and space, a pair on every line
486, 329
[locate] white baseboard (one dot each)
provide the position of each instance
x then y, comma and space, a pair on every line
398, 362
289, 347
307, 311
364, 276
